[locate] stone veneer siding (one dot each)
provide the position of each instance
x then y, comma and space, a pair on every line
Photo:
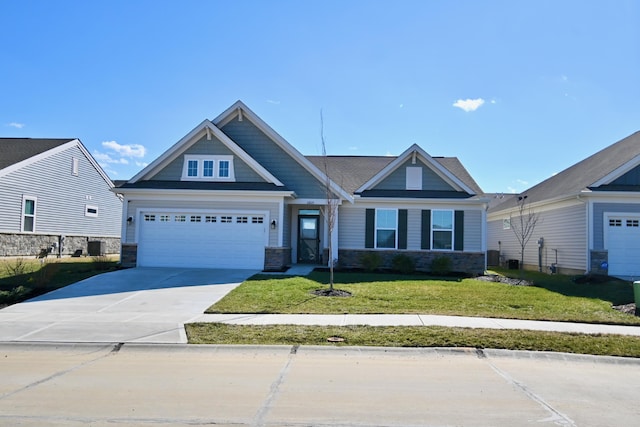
276, 259
597, 258
34, 244
463, 262
129, 255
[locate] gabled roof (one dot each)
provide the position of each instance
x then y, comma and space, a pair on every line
204, 128
16, 153
588, 175
352, 172
15, 150
415, 150
240, 109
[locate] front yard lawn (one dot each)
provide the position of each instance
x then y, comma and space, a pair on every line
556, 298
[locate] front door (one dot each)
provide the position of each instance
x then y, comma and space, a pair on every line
308, 240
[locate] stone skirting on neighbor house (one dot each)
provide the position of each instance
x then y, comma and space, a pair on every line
36, 244
276, 259
597, 260
464, 262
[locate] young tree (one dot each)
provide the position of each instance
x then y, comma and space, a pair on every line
523, 226
330, 210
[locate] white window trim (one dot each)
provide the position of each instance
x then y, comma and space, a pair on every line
91, 214
75, 166
414, 178
376, 228
23, 214
453, 231
200, 173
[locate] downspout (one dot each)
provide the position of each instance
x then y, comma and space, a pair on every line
589, 238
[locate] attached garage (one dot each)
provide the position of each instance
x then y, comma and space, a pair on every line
202, 239
622, 240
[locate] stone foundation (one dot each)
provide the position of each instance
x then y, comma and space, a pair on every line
461, 262
12, 245
276, 259
129, 255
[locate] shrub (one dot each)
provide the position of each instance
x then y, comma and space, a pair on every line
441, 265
371, 261
404, 264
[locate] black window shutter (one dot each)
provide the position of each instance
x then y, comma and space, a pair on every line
402, 229
458, 238
369, 228
426, 229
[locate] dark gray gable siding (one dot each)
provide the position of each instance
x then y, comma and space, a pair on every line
397, 180
173, 171
61, 197
630, 181
274, 159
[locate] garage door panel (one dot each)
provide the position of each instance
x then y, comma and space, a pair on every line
623, 245
202, 240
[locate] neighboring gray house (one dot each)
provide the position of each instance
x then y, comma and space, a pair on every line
55, 198
234, 194
589, 216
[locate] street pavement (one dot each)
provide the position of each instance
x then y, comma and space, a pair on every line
178, 385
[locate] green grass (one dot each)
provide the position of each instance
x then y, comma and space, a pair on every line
24, 278
556, 298
411, 336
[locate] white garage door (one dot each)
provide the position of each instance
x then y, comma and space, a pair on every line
623, 244
202, 240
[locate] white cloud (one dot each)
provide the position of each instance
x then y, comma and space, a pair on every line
522, 182
142, 164
469, 104
130, 150
271, 101
16, 125
105, 159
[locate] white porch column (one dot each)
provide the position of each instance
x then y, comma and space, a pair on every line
334, 236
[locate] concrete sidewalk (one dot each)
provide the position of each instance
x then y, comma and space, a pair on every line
415, 320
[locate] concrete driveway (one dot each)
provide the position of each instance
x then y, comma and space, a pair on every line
147, 305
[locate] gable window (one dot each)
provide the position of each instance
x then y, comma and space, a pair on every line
208, 168
28, 214
91, 211
192, 168
386, 228
442, 230
75, 166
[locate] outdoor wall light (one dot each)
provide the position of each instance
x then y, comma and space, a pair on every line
130, 220
273, 224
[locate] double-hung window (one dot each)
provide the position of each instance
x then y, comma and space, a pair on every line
192, 168
223, 169
386, 228
442, 230
28, 214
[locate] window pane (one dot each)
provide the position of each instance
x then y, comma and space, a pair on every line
223, 169
386, 239
442, 240
386, 218
207, 168
192, 169
29, 207
442, 220
28, 223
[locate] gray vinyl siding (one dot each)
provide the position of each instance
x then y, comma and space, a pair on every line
351, 229
188, 206
472, 231
397, 180
598, 218
173, 171
564, 229
61, 197
268, 154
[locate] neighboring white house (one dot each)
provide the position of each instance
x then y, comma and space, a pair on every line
589, 216
55, 198
233, 193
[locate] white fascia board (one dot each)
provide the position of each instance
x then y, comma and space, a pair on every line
231, 112
443, 173
158, 193
459, 203
26, 162
617, 173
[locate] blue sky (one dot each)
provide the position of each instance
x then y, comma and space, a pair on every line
517, 90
